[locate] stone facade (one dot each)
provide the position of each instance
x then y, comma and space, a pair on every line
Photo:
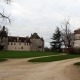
77, 38
18, 43
37, 43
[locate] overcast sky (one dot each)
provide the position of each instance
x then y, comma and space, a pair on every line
41, 16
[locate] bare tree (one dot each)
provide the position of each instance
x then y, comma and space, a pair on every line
67, 35
8, 1
2, 15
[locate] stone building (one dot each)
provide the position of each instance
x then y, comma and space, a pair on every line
33, 43
18, 43
77, 38
37, 43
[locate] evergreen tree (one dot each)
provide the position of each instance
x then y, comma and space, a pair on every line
3, 37
56, 40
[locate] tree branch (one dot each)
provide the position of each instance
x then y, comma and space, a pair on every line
5, 17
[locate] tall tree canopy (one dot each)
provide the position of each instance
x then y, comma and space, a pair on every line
56, 40
67, 35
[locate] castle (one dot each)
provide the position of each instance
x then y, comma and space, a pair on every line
32, 43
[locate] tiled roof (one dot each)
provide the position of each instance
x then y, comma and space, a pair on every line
35, 35
42, 39
17, 39
12, 38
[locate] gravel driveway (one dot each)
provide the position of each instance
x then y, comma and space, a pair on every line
20, 69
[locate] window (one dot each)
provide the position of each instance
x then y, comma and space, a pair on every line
11, 43
21, 47
27, 44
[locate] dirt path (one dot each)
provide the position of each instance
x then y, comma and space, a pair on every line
20, 69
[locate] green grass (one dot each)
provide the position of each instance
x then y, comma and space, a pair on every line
54, 58
24, 54
78, 64
28, 54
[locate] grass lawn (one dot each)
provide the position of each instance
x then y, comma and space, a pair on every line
24, 54
78, 64
27, 54
54, 58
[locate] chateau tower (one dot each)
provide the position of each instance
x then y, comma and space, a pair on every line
77, 38
37, 43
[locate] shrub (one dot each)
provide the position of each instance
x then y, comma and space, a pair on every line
74, 50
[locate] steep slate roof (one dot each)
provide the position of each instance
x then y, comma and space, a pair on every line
24, 39
18, 39
35, 35
12, 38
42, 39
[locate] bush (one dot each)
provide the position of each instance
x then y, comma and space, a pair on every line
74, 50
65, 50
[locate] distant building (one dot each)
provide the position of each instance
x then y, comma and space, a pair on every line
77, 38
32, 43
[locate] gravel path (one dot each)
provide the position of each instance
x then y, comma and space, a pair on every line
20, 69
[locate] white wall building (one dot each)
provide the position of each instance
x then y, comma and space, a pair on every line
18, 43
77, 38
